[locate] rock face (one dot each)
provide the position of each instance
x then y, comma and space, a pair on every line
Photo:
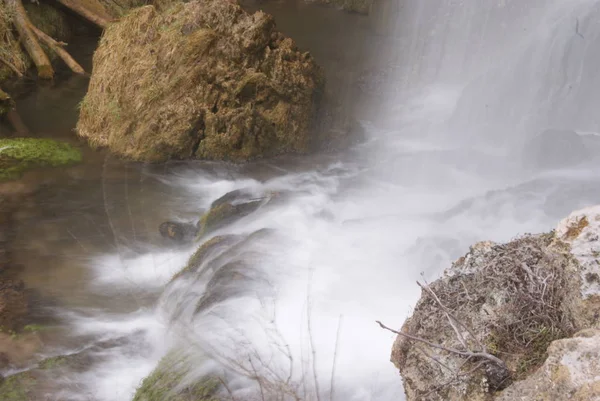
519, 302
201, 80
571, 372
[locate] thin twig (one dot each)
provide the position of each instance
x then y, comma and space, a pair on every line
467, 354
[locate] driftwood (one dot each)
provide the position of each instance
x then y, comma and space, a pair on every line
57, 47
29, 40
101, 18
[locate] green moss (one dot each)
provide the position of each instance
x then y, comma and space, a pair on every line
17, 387
54, 362
20, 154
163, 384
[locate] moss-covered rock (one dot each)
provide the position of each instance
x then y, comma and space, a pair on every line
208, 249
227, 209
202, 79
18, 387
20, 154
165, 384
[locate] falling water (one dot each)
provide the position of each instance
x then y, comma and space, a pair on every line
450, 158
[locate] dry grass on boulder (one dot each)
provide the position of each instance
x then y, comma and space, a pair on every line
515, 298
200, 80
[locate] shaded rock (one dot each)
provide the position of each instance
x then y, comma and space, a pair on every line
554, 149
50, 20
201, 80
356, 6
571, 372
512, 301
178, 232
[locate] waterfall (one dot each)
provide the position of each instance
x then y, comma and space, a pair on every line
284, 305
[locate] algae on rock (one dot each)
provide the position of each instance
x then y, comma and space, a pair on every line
20, 154
201, 80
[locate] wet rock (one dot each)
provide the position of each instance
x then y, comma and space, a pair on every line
229, 208
517, 302
168, 379
203, 80
178, 232
554, 148
208, 250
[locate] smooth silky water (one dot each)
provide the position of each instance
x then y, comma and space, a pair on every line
462, 86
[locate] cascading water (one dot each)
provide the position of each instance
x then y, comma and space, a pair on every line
285, 307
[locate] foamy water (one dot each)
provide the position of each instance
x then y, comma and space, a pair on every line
356, 232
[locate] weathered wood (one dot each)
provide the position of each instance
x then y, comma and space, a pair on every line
29, 40
100, 18
58, 49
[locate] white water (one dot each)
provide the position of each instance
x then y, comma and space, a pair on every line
440, 170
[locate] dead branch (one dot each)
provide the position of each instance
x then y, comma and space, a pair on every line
464, 354
22, 23
12, 67
79, 7
58, 49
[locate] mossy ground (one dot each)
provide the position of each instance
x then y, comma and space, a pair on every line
20, 154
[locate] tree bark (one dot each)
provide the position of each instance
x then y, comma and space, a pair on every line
78, 6
22, 23
57, 48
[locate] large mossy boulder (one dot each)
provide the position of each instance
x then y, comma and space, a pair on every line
20, 154
201, 80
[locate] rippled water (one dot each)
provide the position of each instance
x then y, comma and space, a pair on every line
445, 163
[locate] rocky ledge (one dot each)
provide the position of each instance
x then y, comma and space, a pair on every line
514, 321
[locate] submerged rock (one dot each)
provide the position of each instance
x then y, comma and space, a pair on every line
13, 305
178, 232
516, 302
201, 80
554, 148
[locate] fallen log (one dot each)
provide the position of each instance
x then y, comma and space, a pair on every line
29, 40
100, 18
58, 49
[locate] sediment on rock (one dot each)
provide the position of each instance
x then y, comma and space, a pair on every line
201, 80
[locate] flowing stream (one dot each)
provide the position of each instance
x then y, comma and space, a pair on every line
450, 157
